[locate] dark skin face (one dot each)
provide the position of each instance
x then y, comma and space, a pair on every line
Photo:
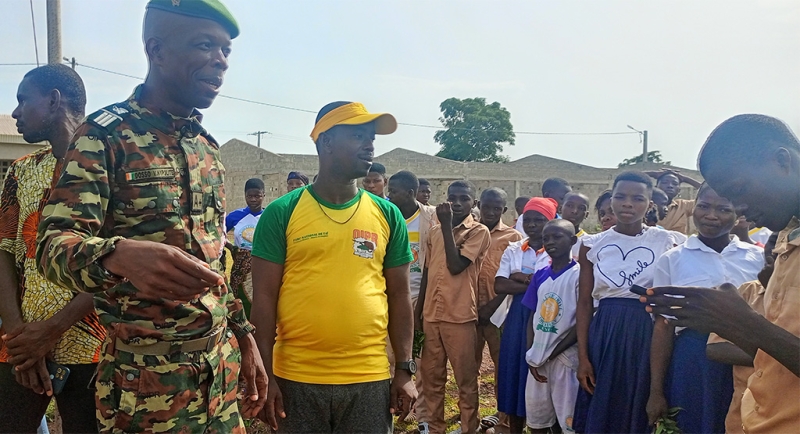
575, 208
188, 60
714, 216
255, 199
661, 202
351, 148
670, 184
630, 201
533, 223
374, 183
492, 209
35, 112
461, 202
424, 194
558, 241
400, 196
559, 193
606, 215
294, 184
765, 191
519, 204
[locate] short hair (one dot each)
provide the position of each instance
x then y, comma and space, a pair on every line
495, 192
604, 196
745, 138
65, 80
406, 179
522, 199
657, 191
378, 168
463, 184
551, 184
423, 181
254, 183
563, 224
634, 176
667, 172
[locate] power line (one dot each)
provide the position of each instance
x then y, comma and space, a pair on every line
35, 44
437, 127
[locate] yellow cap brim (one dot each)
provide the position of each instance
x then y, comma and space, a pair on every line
385, 123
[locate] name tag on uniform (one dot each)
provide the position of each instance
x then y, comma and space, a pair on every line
197, 202
150, 174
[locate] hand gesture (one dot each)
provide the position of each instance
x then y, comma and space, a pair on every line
274, 406
656, 407
707, 310
254, 376
403, 395
37, 378
536, 375
586, 376
445, 214
161, 270
30, 343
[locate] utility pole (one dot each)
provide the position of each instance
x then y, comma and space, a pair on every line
259, 134
644, 146
54, 31
643, 136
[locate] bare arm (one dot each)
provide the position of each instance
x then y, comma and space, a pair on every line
584, 314
660, 355
530, 331
267, 279
691, 181
401, 315
423, 289
570, 339
456, 263
517, 283
9, 292
728, 353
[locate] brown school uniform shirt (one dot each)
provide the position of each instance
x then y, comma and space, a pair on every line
753, 293
501, 236
679, 217
771, 403
451, 298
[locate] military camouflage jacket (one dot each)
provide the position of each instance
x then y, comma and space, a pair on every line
146, 175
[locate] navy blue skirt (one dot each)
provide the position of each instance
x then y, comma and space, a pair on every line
512, 371
619, 349
701, 387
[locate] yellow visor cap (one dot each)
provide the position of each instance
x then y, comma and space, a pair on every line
354, 114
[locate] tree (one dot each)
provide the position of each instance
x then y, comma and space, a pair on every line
652, 157
475, 131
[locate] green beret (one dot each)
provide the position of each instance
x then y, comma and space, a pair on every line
212, 10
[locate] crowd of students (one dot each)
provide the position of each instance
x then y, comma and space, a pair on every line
571, 346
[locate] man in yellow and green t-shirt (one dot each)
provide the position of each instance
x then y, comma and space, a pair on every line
330, 277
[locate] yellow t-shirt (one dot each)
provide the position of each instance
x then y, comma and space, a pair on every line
332, 310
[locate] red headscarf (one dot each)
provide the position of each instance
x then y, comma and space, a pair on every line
545, 205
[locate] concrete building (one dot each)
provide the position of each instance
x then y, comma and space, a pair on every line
521, 177
12, 145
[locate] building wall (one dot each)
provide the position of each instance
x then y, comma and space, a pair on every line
522, 177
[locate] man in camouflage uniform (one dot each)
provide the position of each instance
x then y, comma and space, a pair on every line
137, 215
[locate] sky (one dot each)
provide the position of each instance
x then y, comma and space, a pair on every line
674, 68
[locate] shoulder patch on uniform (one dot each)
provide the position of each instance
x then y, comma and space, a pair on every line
108, 118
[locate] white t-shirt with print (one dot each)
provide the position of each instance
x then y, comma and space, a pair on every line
244, 230
620, 261
555, 314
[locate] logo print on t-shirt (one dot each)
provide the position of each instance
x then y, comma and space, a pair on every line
364, 243
550, 313
247, 233
622, 269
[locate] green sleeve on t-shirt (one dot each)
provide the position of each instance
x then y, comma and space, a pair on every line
269, 240
398, 251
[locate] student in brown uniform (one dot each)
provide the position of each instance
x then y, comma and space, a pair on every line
754, 160
492, 205
448, 306
679, 211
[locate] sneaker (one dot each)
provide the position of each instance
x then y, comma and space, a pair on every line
423, 428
